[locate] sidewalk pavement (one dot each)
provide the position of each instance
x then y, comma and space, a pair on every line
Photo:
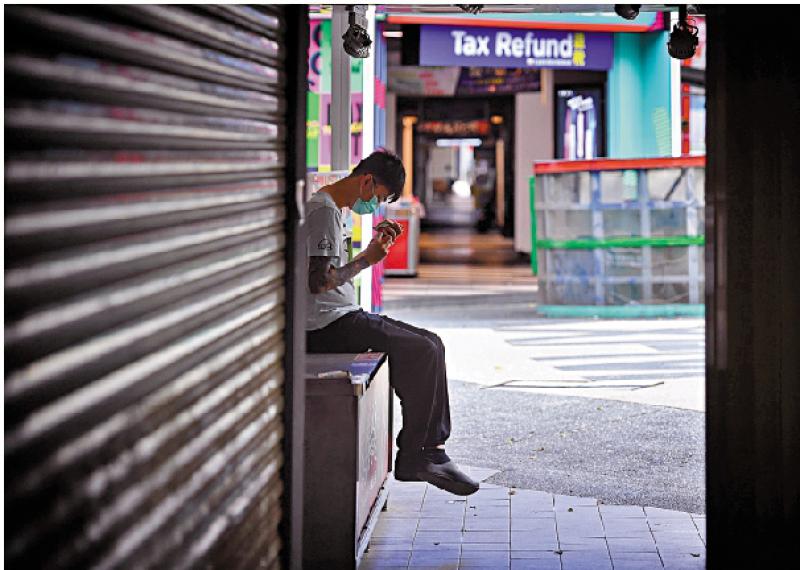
500, 342
494, 338
519, 529
657, 362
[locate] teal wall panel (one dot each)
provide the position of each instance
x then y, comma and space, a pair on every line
639, 97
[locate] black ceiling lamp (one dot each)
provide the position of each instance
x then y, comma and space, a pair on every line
471, 8
683, 40
627, 11
356, 40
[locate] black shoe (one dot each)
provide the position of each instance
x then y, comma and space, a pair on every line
405, 466
436, 468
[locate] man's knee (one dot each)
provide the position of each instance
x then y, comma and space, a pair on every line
437, 341
434, 338
421, 349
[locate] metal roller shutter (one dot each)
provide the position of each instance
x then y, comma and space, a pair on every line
144, 240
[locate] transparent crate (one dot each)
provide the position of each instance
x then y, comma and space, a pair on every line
566, 224
622, 275
701, 221
622, 262
668, 184
541, 228
567, 293
624, 293
671, 292
671, 222
670, 262
697, 182
619, 186
622, 223
573, 188
577, 263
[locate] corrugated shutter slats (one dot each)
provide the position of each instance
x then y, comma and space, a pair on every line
144, 286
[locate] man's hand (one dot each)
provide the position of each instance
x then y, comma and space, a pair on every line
377, 248
324, 275
389, 228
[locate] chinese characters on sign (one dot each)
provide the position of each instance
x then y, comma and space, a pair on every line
477, 127
497, 80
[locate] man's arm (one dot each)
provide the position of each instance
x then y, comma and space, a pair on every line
323, 275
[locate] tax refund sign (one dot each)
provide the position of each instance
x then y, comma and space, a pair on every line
497, 47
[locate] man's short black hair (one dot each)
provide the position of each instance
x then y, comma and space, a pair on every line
387, 169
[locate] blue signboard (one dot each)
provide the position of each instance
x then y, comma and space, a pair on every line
497, 47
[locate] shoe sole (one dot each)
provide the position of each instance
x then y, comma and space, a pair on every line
406, 477
461, 489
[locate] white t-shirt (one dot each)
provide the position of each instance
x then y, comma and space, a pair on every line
326, 238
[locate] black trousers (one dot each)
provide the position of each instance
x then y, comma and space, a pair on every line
416, 370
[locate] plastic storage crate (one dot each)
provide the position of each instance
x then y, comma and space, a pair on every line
619, 233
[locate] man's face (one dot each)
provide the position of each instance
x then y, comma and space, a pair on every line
370, 187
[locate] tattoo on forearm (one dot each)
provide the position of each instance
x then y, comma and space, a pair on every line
324, 275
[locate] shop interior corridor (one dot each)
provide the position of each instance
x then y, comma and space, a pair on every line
458, 262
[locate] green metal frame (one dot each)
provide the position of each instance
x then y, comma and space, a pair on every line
605, 243
534, 244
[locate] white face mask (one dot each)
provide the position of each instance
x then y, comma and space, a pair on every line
361, 207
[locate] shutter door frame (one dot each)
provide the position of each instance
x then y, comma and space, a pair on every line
152, 277
296, 284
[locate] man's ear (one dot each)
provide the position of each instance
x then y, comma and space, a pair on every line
367, 181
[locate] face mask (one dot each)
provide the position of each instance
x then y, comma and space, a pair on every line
361, 207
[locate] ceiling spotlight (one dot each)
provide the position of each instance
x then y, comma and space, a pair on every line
627, 11
683, 40
471, 8
356, 39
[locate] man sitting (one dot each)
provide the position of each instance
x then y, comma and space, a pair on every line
336, 323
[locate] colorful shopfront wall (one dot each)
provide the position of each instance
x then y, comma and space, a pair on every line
368, 80
318, 131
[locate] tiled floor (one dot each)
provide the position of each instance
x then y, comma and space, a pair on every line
497, 527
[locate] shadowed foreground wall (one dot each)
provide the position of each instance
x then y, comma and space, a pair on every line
753, 259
